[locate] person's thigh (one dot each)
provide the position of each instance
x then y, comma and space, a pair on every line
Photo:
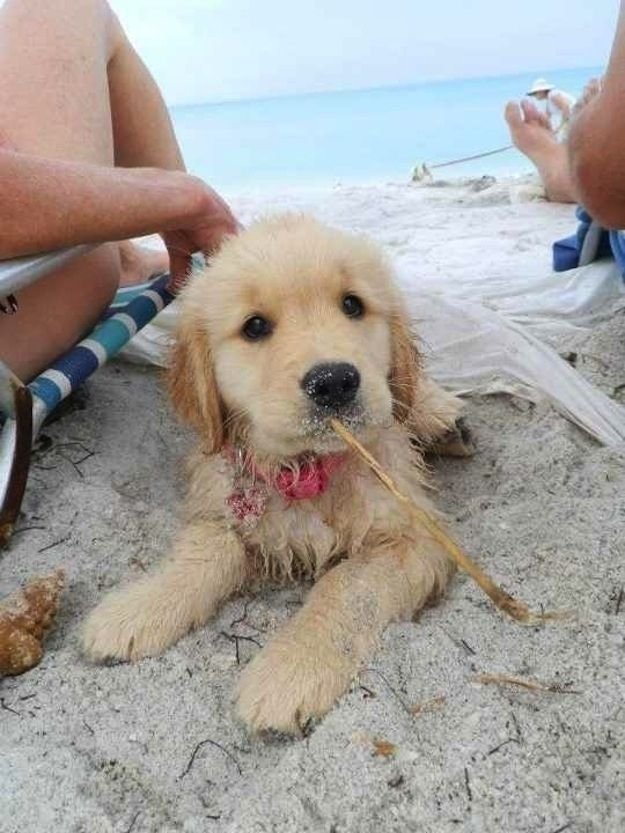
58, 311
54, 99
54, 102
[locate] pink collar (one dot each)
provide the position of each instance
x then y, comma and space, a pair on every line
309, 479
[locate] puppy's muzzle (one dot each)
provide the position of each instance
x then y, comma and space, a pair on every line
332, 386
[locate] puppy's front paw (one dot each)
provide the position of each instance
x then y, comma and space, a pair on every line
126, 626
287, 684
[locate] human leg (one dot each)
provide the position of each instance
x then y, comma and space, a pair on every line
532, 135
56, 100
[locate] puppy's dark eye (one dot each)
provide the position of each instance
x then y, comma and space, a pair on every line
353, 307
256, 328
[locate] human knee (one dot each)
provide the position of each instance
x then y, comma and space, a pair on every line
80, 22
74, 10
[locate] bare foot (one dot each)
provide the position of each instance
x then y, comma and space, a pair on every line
531, 133
139, 264
530, 128
590, 91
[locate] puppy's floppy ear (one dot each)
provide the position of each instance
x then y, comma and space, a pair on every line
405, 367
193, 387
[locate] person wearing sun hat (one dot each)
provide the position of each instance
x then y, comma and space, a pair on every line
558, 104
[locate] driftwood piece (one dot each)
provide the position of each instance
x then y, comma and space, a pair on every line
25, 616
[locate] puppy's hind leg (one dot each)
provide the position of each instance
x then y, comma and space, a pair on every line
436, 421
311, 662
144, 618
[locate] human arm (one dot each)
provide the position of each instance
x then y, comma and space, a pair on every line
48, 204
595, 144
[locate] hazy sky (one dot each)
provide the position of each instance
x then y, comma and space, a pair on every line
207, 50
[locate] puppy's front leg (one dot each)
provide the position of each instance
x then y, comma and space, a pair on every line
313, 659
144, 618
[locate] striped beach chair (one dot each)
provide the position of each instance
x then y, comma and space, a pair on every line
25, 407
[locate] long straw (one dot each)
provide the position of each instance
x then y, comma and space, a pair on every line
503, 600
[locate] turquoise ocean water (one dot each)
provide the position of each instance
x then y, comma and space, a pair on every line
363, 136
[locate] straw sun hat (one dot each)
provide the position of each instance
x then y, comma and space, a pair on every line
540, 86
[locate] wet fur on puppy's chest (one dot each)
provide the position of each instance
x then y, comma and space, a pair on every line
303, 538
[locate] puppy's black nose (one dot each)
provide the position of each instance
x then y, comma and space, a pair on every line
332, 385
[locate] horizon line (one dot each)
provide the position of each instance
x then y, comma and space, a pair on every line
345, 90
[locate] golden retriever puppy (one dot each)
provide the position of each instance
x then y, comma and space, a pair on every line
291, 324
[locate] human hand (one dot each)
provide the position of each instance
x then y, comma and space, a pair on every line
210, 221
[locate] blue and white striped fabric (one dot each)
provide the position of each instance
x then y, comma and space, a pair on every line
131, 310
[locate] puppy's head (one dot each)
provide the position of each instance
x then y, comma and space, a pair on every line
291, 324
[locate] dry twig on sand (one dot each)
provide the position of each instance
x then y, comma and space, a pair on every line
530, 685
428, 706
24, 618
504, 601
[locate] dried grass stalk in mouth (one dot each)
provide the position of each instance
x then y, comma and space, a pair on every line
24, 618
504, 601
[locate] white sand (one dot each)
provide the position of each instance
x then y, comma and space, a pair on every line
86, 748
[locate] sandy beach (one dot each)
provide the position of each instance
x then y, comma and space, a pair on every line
418, 744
